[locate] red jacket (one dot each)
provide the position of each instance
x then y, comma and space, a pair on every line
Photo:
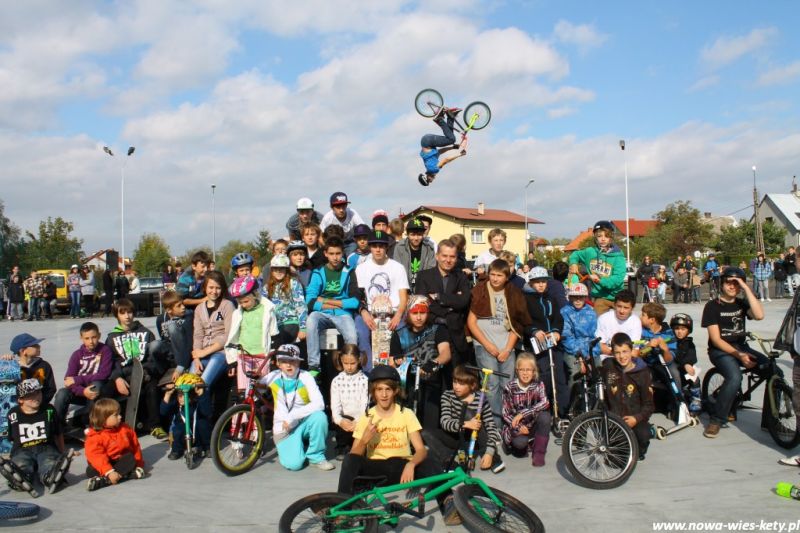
108, 445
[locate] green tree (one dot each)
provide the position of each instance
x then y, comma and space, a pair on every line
151, 255
262, 247
53, 246
10, 243
185, 260
738, 243
680, 231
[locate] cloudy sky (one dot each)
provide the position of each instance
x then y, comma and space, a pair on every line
272, 100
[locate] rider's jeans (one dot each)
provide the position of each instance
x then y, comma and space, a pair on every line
495, 393
42, 458
731, 369
213, 366
433, 141
317, 322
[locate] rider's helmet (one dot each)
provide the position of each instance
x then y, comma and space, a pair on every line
241, 259
279, 261
578, 289
384, 372
29, 386
538, 273
682, 319
243, 286
296, 245
603, 224
733, 272
189, 379
305, 203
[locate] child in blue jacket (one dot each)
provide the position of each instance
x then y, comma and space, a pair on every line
580, 327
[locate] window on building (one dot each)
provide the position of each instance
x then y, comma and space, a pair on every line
769, 220
477, 236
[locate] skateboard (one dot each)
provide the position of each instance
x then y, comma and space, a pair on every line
381, 336
135, 391
9, 377
17, 479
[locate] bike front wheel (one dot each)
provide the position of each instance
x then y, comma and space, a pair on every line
310, 514
480, 513
236, 443
479, 114
428, 102
600, 451
782, 422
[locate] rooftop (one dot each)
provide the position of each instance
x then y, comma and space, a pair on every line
475, 214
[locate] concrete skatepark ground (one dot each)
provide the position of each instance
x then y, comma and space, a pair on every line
686, 478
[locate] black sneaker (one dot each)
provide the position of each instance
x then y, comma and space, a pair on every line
423, 180
498, 465
174, 456
97, 482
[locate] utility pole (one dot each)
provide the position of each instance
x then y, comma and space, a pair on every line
757, 220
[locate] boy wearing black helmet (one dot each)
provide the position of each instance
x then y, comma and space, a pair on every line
686, 358
724, 318
604, 264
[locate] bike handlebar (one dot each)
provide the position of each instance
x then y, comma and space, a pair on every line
488, 371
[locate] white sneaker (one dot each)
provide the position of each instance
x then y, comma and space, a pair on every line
762, 299
769, 299
790, 461
324, 465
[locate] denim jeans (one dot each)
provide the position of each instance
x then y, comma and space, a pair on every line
41, 458
33, 308
496, 383
213, 366
65, 397
75, 303
433, 141
317, 323
15, 310
730, 369
794, 282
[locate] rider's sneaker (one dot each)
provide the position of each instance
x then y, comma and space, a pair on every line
498, 465
450, 513
453, 112
159, 433
174, 456
790, 461
423, 180
324, 465
712, 430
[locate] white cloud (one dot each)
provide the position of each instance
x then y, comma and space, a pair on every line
584, 36
727, 49
704, 83
780, 75
560, 112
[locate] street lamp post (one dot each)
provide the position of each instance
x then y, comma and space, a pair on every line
627, 213
527, 239
756, 220
213, 224
131, 149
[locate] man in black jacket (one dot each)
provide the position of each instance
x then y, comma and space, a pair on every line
449, 293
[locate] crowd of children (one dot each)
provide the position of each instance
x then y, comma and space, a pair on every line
537, 330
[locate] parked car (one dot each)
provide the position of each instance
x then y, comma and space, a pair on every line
152, 288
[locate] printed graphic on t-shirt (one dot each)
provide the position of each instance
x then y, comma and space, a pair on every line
499, 310
32, 434
380, 286
600, 267
333, 287
731, 323
89, 365
131, 345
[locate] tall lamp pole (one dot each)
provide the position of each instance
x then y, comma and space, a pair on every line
527, 239
757, 221
627, 213
213, 225
131, 149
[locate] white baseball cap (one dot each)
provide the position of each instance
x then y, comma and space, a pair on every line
305, 203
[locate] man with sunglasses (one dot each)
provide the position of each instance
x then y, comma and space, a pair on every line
724, 318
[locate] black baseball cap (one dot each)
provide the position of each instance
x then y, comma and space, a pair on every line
362, 230
415, 225
379, 237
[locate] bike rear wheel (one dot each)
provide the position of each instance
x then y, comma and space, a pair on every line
484, 115
480, 513
600, 457
782, 424
234, 449
308, 514
428, 102
18, 511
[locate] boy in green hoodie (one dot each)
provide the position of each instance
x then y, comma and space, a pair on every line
604, 265
129, 340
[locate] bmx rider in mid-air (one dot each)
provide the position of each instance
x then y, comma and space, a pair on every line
438, 150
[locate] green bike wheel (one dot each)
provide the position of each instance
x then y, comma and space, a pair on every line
480, 113
428, 102
481, 514
233, 451
309, 514
782, 425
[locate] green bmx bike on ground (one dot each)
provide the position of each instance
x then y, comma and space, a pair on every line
482, 508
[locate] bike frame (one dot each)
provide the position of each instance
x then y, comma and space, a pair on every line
389, 513
462, 129
188, 434
250, 395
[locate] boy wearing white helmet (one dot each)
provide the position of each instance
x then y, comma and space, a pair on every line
580, 324
305, 214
